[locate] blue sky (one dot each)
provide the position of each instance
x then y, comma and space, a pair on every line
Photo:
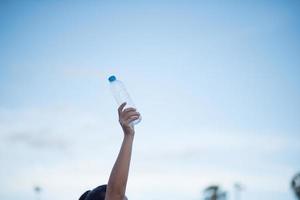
217, 83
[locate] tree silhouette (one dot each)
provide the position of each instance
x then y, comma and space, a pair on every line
296, 185
214, 192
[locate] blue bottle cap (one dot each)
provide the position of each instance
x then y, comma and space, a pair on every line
112, 78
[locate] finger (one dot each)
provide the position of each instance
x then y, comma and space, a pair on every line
126, 114
130, 114
131, 119
129, 109
121, 108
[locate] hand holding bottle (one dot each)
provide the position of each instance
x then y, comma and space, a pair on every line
126, 117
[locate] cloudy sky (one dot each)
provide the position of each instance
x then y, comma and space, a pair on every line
217, 83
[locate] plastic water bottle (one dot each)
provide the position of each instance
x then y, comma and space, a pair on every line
121, 95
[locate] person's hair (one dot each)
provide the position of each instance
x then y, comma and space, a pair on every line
96, 194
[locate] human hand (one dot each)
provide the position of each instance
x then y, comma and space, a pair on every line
126, 117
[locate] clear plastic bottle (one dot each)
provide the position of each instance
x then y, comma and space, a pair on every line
121, 95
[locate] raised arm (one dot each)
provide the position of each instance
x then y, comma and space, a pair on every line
116, 186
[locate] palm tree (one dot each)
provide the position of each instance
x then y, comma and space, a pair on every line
296, 185
214, 192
